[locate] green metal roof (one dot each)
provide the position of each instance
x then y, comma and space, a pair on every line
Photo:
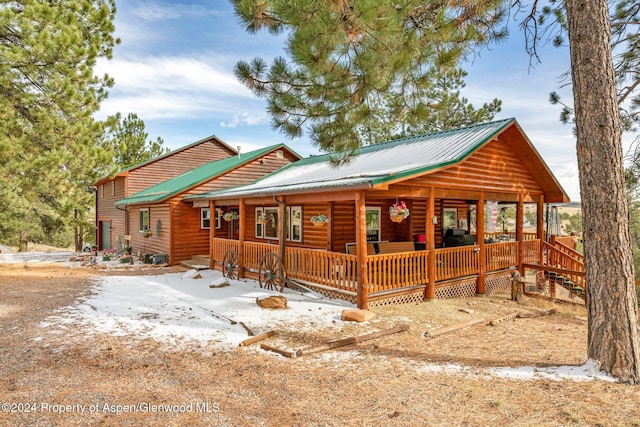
190, 179
374, 164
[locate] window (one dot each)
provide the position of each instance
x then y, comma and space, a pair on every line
143, 221
295, 223
205, 218
450, 218
269, 229
373, 224
102, 191
113, 188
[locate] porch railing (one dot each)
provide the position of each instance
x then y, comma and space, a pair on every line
386, 272
531, 251
333, 269
456, 262
500, 256
398, 270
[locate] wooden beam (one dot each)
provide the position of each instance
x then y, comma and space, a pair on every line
520, 233
430, 243
451, 328
480, 289
352, 340
257, 338
361, 251
241, 230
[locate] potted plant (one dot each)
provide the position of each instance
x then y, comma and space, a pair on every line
319, 219
263, 218
230, 216
398, 211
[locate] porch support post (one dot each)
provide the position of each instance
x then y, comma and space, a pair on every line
540, 226
480, 240
520, 232
430, 234
241, 230
213, 216
362, 295
282, 235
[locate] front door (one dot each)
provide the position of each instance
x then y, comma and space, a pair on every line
105, 235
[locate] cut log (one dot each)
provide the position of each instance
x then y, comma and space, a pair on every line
352, 340
537, 314
502, 319
454, 327
257, 338
286, 353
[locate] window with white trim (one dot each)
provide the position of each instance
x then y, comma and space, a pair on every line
143, 220
205, 218
267, 219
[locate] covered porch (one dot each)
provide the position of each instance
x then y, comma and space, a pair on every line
451, 187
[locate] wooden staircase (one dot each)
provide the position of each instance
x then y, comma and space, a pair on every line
561, 268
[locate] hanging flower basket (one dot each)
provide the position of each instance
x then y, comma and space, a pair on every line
398, 211
319, 220
230, 216
263, 219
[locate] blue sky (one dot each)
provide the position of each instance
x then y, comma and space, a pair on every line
174, 69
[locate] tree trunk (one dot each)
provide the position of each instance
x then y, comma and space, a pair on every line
613, 339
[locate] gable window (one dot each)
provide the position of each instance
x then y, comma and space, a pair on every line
143, 220
205, 218
268, 229
373, 224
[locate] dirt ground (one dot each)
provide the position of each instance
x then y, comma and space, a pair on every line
48, 379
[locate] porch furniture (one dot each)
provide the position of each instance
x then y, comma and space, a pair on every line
371, 249
394, 247
458, 237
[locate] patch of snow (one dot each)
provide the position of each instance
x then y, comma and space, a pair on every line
178, 310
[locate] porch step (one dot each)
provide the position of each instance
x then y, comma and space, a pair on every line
197, 262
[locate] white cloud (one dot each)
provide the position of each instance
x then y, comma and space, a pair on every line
245, 119
176, 87
152, 12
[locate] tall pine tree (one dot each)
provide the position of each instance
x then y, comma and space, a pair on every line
48, 94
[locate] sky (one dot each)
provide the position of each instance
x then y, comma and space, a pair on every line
191, 310
174, 69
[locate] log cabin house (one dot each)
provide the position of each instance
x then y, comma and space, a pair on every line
164, 225
112, 221
363, 255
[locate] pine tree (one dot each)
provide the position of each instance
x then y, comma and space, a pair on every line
48, 94
361, 70
128, 141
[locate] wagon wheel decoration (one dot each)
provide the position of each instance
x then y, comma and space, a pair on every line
230, 265
272, 274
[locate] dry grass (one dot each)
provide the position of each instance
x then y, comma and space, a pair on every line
378, 382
